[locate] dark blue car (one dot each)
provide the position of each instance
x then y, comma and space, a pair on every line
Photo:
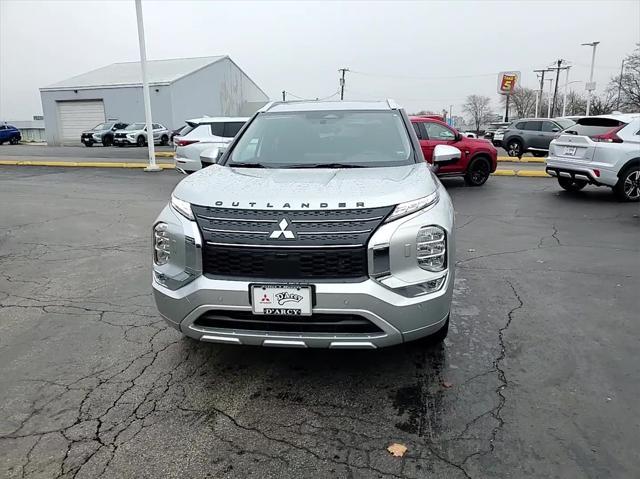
9, 133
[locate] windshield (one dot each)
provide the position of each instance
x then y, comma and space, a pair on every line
135, 126
564, 122
101, 126
324, 138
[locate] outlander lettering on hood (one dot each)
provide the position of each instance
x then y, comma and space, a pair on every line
287, 205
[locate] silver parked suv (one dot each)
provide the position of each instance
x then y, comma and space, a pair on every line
320, 226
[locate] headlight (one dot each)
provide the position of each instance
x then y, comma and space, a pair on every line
161, 244
182, 207
404, 209
431, 244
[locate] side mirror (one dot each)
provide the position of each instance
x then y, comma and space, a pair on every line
555, 130
458, 136
443, 154
210, 156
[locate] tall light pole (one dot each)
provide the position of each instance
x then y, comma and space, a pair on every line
152, 166
591, 86
550, 80
564, 94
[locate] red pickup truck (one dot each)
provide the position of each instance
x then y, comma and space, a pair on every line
479, 157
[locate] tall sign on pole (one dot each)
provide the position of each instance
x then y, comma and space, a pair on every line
152, 166
507, 82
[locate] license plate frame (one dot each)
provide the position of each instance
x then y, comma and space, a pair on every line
282, 299
570, 150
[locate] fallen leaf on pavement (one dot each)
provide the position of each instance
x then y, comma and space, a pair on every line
397, 450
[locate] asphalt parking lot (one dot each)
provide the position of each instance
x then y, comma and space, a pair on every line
539, 377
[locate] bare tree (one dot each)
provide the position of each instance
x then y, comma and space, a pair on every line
523, 102
576, 103
605, 102
630, 85
477, 106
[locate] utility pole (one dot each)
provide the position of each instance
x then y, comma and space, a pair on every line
284, 95
620, 85
550, 80
591, 86
538, 101
555, 91
451, 115
343, 70
506, 109
152, 166
564, 95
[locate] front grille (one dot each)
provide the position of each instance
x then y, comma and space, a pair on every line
120, 135
316, 323
301, 244
285, 263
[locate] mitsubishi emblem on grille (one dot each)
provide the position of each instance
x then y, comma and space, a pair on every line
283, 231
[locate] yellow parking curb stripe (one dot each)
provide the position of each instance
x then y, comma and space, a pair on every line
505, 173
88, 164
521, 160
533, 173
165, 154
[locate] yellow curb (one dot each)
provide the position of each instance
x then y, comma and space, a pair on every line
521, 160
86, 164
533, 173
165, 154
504, 173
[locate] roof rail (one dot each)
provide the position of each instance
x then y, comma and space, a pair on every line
392, 104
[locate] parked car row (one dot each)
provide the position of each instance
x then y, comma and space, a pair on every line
122, 134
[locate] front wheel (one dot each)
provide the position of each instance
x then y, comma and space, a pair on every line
164, 141
478, 172
140, 141
628, 186
14, 141
570, 184
107, 141
514, 148
88, 144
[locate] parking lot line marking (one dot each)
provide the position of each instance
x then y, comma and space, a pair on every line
164, 154
504, 173
83, 164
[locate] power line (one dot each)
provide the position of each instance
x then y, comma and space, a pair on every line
446, 77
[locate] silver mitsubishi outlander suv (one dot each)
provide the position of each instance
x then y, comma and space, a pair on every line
321, 225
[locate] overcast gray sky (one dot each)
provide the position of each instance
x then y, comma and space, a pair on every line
426, 55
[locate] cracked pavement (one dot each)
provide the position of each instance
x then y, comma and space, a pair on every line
539, 376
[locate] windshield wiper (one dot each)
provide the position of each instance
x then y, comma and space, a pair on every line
325, 165
247, 165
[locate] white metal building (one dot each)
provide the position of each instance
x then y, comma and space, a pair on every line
180, 89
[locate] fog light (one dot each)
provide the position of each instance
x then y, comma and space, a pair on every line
431, 244
423, 288
161, 244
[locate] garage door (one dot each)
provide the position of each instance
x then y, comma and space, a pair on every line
76, 116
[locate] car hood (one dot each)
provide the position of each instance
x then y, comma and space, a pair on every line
129, 131
247, 188
476, 141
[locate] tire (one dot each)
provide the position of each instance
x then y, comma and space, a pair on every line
514, 148
628, 186
88, 144
478, 172
14, 140
107, 141
571, 184
539, 154
140, 141
164, 141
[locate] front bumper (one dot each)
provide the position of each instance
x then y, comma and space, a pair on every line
183, 294
123, 141
599, 174
399, 318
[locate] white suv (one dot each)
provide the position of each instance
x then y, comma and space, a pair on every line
206, 133
599, 150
